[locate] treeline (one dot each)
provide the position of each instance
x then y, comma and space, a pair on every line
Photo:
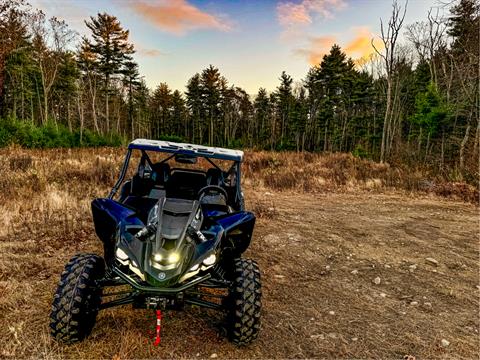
415, 102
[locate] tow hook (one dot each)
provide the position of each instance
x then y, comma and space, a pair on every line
157, 304
157, 327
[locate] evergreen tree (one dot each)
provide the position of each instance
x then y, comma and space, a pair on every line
463, 25
285, 103
131, 79
110, 44
179, 125
262, 111
431, 114
65, 88
161, 104
141, 96
335, 78
195, 106
13, 34
211, 86
20, 73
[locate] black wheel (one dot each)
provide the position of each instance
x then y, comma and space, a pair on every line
244, 302
77, 299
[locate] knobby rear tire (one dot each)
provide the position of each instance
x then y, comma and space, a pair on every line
77, 299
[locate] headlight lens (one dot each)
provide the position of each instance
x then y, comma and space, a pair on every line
170, 258
194, 267
210, 260
121, 254
173, 258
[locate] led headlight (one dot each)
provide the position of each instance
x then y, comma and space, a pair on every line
210, 260
157, 257
121, 255
194, 267
173, 258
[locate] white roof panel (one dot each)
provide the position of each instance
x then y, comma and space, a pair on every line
189, 149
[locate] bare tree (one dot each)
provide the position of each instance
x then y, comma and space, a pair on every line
389, 36
428, 37
87, 61
50, 40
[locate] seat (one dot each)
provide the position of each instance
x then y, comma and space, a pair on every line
214, 177
160, 173
140, 186
185, 184
160, 176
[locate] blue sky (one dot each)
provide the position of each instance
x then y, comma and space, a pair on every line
251, 42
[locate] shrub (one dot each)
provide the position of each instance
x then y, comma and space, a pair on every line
28, 135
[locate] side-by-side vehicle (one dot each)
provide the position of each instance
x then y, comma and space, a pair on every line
173, 228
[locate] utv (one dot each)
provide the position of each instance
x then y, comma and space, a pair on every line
174, 235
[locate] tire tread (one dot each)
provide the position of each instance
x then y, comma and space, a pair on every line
76, 300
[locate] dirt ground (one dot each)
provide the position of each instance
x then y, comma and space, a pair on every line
320, 256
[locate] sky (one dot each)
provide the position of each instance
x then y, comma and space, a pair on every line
251, 42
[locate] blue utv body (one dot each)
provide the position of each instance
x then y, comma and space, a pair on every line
224, 226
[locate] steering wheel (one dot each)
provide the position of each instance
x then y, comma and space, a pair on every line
213, 188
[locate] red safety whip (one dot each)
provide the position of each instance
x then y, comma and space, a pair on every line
157, 327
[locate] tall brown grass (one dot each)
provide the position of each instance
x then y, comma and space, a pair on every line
38, 186
83, 173
309, 172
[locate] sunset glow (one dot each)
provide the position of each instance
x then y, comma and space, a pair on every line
251, 42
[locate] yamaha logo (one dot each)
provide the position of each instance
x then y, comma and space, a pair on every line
161, 275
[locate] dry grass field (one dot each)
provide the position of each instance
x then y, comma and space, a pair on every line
342, 244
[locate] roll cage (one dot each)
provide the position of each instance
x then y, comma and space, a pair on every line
172, 148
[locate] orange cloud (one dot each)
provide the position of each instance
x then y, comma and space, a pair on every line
358, 48
361, 45
319, 46
178, 16
290, 13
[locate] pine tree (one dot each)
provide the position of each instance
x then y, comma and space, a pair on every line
298, 119
463, 25
65, 87
285, 102
110, 43
178, 115
20, 70
131, 79
262, 110
335, 78
211, 86
161, 103
431, 115
13, 34
141, 97
195, 106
